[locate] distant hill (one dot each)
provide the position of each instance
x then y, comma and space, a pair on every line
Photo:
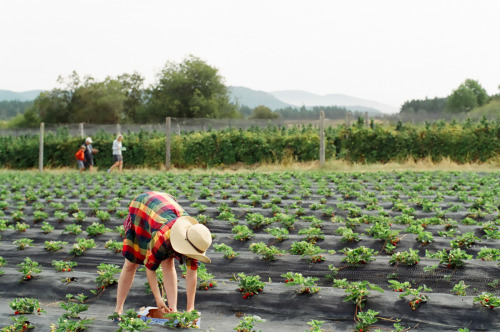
252, 98
21, 96
303, 98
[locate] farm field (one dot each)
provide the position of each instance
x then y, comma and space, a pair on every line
421, 249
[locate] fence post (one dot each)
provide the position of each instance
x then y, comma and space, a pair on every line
321, 138
118, 129
82, 134
40, 147
178, 130
167, 142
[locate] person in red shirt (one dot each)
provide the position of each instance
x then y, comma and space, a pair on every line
157, 231
80, 157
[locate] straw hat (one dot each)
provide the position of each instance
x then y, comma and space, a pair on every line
190, 238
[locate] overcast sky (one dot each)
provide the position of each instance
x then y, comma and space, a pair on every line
388, 51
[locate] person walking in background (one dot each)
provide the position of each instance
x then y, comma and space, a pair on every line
89, 154
157, 231
117, 154
80, 157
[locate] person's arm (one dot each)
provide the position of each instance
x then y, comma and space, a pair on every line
191, 280
153, 284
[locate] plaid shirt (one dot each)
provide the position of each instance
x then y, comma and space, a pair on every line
147, 230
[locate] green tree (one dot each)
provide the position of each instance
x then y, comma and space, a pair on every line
190, 89
466, 97
263, 112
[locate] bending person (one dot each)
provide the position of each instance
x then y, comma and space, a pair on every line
157, 231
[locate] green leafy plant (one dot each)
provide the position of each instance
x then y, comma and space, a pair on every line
312, 234
488, 300
72, 306
79, 216
106, 275
96, 229
227, 250
409, 257
103, 216
242, 232
357, 292
129, 321
81, 246
416, 296
279, 233
21, 227
460, 288
26, 305
29, 268
114, 246
360, 255
46, 228
365, 319
183, 319
348, 234
21, 323
247, 322
22, 243
453, 258
315, 325
267, 252
39, 216
54, 245
307, 285
399, 286
205, 279
73, 229
60, 215
249, 285
63, 266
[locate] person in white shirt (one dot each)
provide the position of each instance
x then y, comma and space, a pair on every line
117, 153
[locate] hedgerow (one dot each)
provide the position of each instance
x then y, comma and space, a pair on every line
466, 142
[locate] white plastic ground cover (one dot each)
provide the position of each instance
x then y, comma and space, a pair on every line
159, 321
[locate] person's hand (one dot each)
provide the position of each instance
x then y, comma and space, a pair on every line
162, 307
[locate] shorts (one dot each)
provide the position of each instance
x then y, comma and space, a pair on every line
89, 163
117, 157
80, 164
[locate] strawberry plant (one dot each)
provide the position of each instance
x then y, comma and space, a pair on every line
315, 325
120, 230
54, 245
73, 229
96, 229
466, 240
307, 285
21, 323
57, 206
81, 246
63, 266
60, 216
257, 220
488, 300
124, 213
26, 306
205, 280
247, 322
460, 288
227, 250
73, 208
79, 216
200, 207
202, 219
249, 285
424, 237
64, 325
365, 319
21, 227
28, 268
399, 286
242, 232
286, 220
103, 215
184, 319
279, 233
106, 275
39, 216
17, 215
360, 255
489, 254
267, 252
23, 243
46, 228
114, 246
452, 258
312, 234
228, 216
416, 296
347, 234
409, 257
72, 306
357, 292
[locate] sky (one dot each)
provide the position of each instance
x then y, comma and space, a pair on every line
389, 51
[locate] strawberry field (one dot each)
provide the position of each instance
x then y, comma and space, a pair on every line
304, 251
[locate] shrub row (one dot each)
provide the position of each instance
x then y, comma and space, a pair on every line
468, 142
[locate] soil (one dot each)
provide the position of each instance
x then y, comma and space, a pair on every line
279, 304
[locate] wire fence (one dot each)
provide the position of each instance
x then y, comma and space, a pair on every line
180, 125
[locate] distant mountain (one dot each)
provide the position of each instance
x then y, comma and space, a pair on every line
21, 96
303, 98
253, 98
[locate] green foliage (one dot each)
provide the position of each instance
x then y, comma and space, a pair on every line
247, 322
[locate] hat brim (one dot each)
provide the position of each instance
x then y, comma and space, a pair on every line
178, 239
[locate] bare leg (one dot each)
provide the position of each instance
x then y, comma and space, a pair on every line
120, 166
124, 283
170, 282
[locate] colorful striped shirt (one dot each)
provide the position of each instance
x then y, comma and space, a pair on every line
147, 230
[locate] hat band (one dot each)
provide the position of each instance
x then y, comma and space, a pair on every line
198, 250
